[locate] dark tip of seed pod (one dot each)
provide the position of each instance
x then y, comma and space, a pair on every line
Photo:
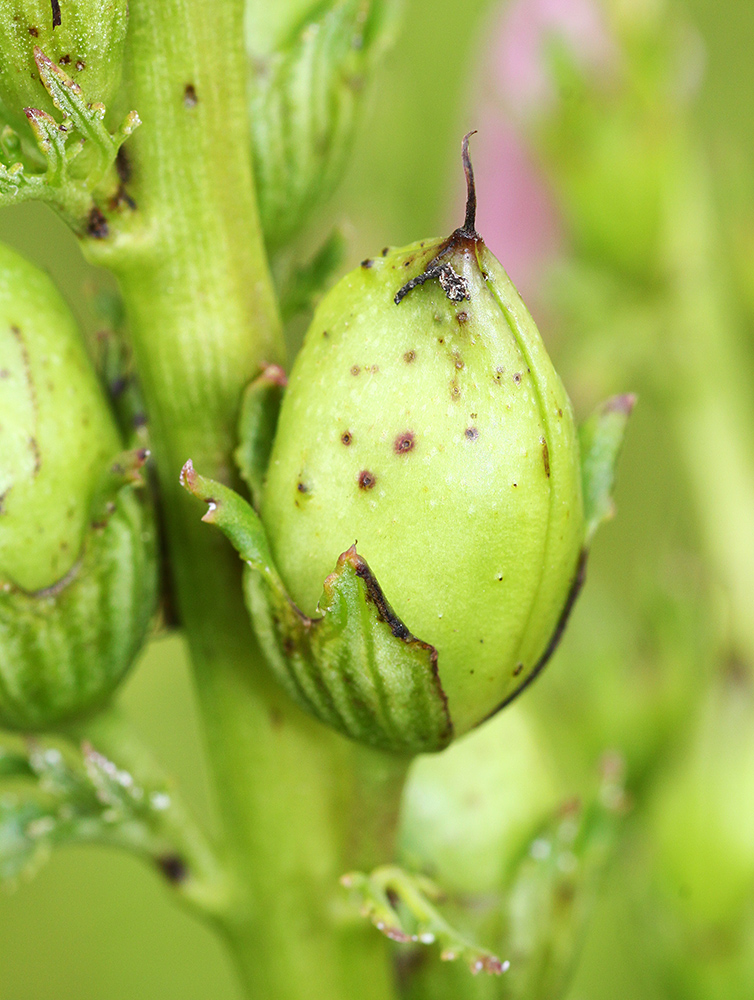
404, 443
472, 433
409, 356
470, 221
346, 437
366, 479
454, 285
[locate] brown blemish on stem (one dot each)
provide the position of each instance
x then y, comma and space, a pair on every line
96, 224
123, 165
173, 868
366, 480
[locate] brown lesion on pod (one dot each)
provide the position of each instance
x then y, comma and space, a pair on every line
367, 480
404, 443
545, 456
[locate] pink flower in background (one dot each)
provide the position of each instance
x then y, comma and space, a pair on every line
516, 213
518, 58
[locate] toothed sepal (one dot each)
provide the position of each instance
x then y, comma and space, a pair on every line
355, 665
401, 906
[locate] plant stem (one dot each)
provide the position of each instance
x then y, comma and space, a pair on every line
203, 318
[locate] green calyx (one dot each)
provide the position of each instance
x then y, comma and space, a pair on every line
424, 424
353, 664
56, 431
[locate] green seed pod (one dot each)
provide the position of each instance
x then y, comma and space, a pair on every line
424, 419
77, 552
85, 37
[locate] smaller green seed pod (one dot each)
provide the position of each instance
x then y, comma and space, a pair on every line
85, 37
78, 576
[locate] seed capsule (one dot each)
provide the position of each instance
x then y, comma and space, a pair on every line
425, 421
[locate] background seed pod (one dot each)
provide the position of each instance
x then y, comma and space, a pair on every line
85, 37
64, 649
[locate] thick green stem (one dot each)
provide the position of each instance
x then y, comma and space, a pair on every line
203, 318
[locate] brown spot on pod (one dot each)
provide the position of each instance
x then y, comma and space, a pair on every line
385, 251
367, 480
34, 32
367, 263
455, 391
545, 456
355, 370
519, 668
190, 98
346, 437
80, 64
302, 487
404, 443
409, 356
517, 378
472, 433
458, 360
462, 317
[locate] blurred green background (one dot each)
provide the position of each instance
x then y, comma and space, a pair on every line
96, 925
